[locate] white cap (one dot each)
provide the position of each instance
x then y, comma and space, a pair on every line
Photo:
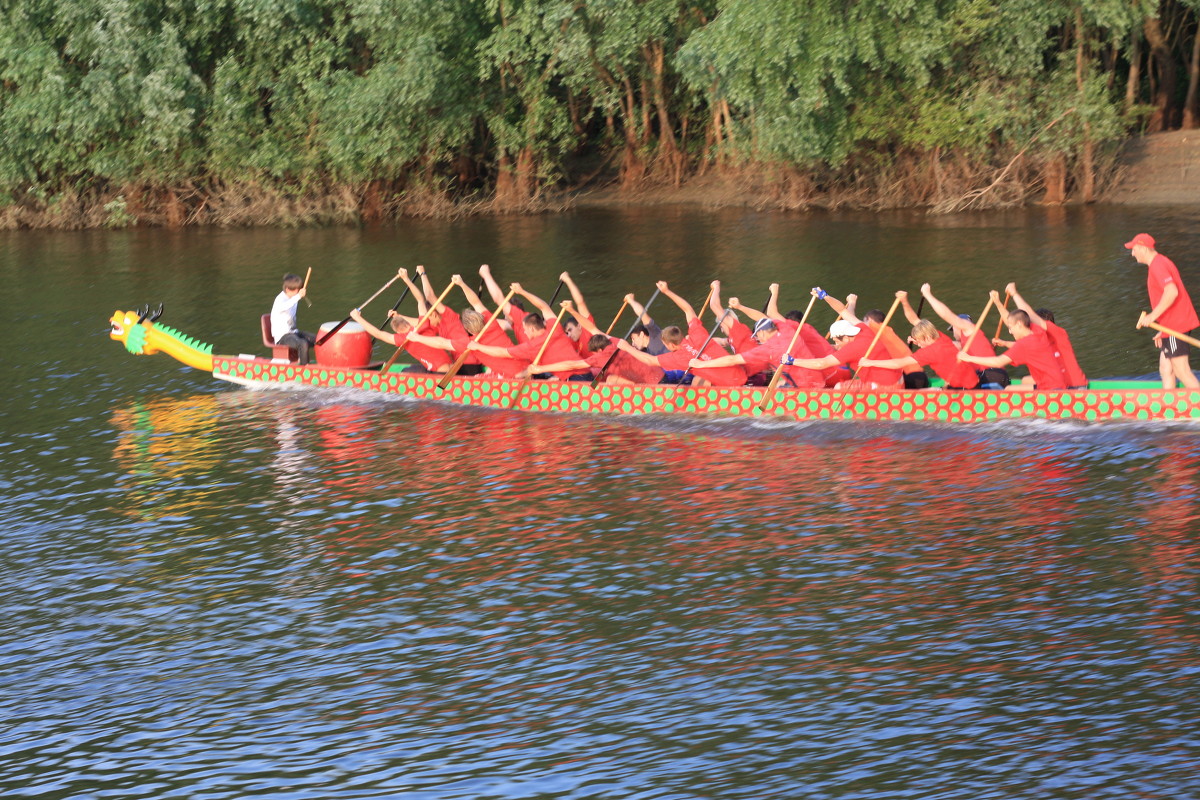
843, 328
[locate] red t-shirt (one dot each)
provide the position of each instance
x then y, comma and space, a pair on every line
741, 337
1065, 354
800, 377
432, 358
720, 376
1035, 352
494, 336
857, 348
560, 348
1181, 314
516, 316
942, 357
624, 366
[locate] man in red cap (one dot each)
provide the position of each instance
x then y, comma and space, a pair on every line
1170, 307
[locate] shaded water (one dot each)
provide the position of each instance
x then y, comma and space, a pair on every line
217, 593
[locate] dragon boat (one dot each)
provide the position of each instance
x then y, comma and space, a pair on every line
1130, 400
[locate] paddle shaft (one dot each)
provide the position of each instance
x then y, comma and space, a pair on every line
458, 362
307, 275
762, 406
966, 348
628, 333
1142, 323
417, 327
339, 326
1000, 323
620, 311
396, 305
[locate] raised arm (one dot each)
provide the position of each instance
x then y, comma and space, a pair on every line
773, 303
689, 313
416, 293
541, 305
469, 293
1034, 319
753, 313
582, 319
909, 313
714, 298
382, 336
949, 317
430, 294
639, 309
493, 288
576, 295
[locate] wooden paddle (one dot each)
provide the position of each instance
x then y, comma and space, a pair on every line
341, 324
458, 362
1000, 324
620, 311
645, 309
762, 406
966, 348
704, 305
704, 346
1142, 323
879, 333
396, 305
307, 275
536, 359
388, 365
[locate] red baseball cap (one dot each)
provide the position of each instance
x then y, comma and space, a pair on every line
1144, 239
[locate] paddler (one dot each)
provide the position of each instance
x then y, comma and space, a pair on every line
961, 329
852, 343
474, 320
1171, 307
571, 325
429, 359
624, 369
689, 347
769, 350
913, 377
1063, 350
1031, 348
934, 350
537, 332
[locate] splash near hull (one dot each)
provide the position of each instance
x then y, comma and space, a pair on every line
1112, 400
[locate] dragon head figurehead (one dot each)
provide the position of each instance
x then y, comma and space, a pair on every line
129, 328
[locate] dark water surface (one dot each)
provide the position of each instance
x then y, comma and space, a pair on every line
210, 592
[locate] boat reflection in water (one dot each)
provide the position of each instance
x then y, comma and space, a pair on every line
479, 598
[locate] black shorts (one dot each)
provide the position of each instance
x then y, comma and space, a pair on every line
1174, 348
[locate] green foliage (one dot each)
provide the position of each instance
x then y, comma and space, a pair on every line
99, 95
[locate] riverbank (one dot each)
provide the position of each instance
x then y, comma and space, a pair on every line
1152, 170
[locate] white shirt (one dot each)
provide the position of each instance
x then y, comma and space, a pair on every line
283, 315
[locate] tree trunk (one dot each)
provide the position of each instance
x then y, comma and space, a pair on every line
1160, 50
668, 149
1054, 177
1191, 105
1135, 70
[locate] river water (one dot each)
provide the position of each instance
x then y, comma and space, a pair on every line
211, 592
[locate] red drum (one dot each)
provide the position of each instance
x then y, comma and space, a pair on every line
349, 347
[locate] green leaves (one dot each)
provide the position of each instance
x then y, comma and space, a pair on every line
100, 94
